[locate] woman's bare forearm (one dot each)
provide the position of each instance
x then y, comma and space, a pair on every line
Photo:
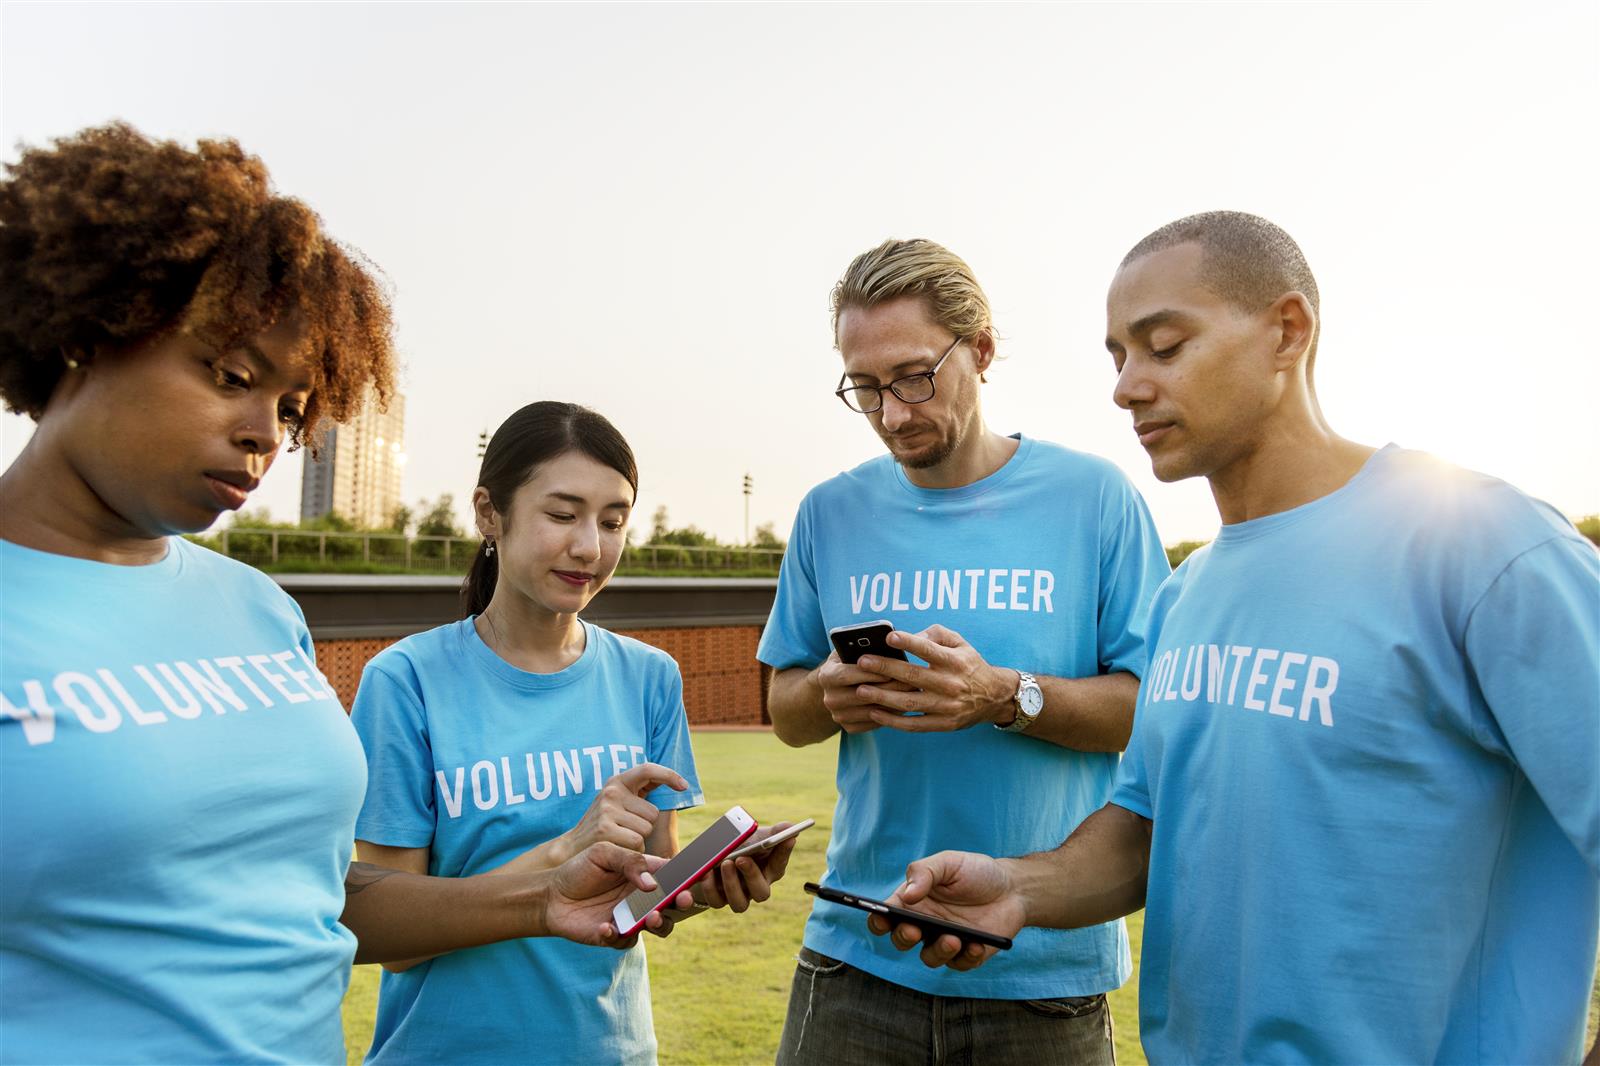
403, 916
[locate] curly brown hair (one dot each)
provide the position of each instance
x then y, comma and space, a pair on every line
109, 239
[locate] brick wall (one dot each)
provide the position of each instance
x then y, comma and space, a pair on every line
341, 662
722, 682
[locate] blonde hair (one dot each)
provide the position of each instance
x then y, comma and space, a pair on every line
916, 267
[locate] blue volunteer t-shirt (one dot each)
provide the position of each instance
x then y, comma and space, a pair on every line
178, 786
1368, 743
1048, 566
479, 761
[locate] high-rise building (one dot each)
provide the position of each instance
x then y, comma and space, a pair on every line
357, 474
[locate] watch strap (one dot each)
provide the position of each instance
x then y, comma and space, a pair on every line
1024, 719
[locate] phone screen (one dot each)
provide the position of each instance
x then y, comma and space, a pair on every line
681, 868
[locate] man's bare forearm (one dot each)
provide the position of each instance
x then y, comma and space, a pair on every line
1098, 874
1087, 713
794, 702
401, 916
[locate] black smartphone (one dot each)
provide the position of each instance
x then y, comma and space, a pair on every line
864, 638
931, 927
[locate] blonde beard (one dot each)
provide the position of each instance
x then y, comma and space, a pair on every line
931, 455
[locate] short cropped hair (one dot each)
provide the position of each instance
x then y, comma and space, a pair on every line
1245, 259
916, 267
109, 239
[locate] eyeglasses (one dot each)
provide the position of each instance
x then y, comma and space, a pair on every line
913, 388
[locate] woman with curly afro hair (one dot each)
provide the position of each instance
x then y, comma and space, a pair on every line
178, 783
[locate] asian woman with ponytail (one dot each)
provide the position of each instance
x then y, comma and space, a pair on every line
523, 726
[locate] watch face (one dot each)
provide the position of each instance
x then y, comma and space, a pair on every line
1032, 700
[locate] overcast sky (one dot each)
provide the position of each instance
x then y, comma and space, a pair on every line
642, 208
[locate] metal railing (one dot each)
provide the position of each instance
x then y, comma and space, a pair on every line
319, 550
670, 558
282, 549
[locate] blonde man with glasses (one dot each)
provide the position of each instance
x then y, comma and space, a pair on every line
1017, 575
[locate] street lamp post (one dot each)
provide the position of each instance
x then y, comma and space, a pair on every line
748, 485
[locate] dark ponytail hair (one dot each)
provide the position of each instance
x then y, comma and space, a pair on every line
524, 442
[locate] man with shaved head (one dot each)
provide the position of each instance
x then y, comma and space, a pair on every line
1361, 805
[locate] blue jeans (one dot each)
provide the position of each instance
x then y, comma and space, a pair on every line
840, 1016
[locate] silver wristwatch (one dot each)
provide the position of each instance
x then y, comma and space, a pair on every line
1029, 700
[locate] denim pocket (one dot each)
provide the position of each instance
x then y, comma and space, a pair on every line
817, 964
1066, 1007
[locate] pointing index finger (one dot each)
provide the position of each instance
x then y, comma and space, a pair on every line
648, 776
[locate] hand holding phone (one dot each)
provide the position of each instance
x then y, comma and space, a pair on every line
747, 875
923, 924
684, 868
970, 891
580, 895
839, 676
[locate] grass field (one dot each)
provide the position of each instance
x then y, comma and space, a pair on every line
720, 983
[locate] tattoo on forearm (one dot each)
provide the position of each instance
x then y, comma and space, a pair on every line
364, 875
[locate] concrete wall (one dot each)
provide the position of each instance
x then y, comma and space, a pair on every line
709, 625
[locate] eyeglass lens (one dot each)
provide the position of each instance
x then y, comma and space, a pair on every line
916, 388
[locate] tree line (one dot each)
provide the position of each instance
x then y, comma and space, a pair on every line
437, 518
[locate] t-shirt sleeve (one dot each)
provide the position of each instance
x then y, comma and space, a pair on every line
1132, 566
669, 742
1532, 642
399, 809
795, 634
1133, 786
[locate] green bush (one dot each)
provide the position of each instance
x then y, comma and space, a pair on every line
1177, 553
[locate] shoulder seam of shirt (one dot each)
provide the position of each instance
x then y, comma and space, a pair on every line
1472, 612
401, 684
